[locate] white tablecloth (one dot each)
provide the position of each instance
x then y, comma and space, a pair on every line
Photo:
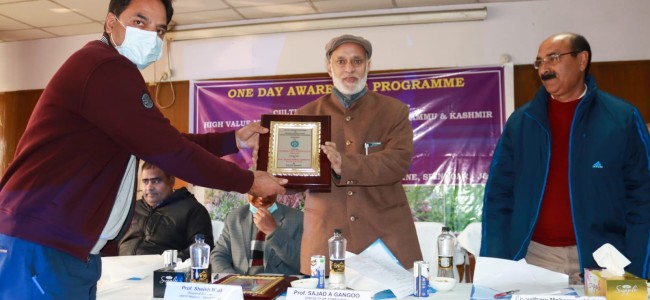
114, 286
126, 290
143, 290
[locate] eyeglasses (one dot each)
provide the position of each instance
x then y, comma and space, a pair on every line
551, 59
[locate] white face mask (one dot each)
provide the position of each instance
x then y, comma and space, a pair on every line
141, 47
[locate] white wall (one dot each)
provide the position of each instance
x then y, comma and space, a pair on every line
616, 29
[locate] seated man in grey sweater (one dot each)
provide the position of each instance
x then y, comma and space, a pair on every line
261, 237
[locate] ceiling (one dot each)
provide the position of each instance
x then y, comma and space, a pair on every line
22, 20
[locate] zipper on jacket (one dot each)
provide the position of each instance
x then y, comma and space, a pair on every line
524, 246
573, 123
144, 231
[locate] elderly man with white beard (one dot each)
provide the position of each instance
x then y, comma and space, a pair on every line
370, 153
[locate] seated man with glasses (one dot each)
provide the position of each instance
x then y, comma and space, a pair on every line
165, 219
570, 173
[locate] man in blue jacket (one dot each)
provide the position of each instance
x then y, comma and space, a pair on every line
570, 173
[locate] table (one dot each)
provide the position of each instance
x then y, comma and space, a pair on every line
126, 290
143, 290
114, 284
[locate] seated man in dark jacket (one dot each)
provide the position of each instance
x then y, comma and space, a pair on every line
165, 219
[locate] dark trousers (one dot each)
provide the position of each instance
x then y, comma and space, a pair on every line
32, 271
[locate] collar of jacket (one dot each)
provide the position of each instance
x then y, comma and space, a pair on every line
106, 39
347, 101
177, 195
538, 108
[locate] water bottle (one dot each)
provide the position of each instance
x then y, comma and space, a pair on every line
446, 246
337, 245
200, 259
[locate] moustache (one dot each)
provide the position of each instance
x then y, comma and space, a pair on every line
548, 75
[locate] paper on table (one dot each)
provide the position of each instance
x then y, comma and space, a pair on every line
375, 270
507, 275
116, 268
380, 252
483, 293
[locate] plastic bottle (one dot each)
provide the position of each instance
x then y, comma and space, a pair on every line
200, 259
446, 246
337, 244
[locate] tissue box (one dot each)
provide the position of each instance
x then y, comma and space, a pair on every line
627, 287
164, 275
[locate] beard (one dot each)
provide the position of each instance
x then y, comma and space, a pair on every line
348, 91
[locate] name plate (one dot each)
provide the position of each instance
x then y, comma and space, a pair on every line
325, 294
203, 291
555, 297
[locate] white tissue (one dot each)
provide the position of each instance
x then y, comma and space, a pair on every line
183, 264
611, 260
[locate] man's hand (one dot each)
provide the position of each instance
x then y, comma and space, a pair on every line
333, 155
265, 185
249, 135
264, 221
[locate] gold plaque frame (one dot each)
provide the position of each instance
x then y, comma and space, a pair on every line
313, 130
287, 133
253, 285
259, 287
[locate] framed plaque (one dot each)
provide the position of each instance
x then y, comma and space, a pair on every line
291, 150
259, 286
